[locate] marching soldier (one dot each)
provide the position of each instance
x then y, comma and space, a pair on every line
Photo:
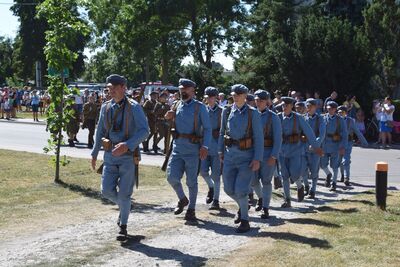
160, 109
351, 130
212, 161
148, 108
293, 127
272, 130
316, 123
90, 113
121, 128
240, 148
192, 138
73, 124
334, 144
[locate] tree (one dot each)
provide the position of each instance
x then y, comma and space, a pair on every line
65, 28
6, 52
382, 20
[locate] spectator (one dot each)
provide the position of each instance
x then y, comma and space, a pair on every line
7, 107
332, 97
386, 122
222, 101
360, 121
2, 104
277, 100
352, 106
35, 101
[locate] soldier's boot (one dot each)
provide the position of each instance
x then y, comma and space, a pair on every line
342, 178
71, 143
252, 201
155, 149
328, 180
190, 215
311, 195
123, 230
333, 187
181, 205
243, 227
215, 205
306, 190
277, 182
210, 195
145, 146
286, 204
259, 204
90, 142
265, 214
347, 181
300, 194
238, 217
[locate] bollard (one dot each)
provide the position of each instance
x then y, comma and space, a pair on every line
381, 184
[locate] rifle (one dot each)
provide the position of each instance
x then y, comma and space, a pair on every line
169, 141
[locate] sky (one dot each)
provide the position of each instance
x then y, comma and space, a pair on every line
9, 27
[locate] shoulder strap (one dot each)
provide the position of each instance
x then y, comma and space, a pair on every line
219, 117
128, 112
337, 125
249, 120
268, 126
294, 124
107, 121
317, 125
228, 112
196, 112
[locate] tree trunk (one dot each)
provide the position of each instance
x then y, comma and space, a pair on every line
164, 60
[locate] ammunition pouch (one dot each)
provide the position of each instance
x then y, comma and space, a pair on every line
291, 139
335, 137
215, 133
268, 142
243, 144
194, 139
107, 144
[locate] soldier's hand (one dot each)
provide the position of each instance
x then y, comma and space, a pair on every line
119, 149
94, 163
254, 165
271, 161
319, 151
169, 115
341, 151
203, 153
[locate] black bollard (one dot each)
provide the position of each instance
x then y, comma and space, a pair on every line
381, 184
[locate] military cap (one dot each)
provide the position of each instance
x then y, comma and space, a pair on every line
239, 89
116, 79
164, 93
331, 104
249, 98
262, 94
154, 93
311, 101
210, 91
300, 104
342, 108
183, 83
288, 100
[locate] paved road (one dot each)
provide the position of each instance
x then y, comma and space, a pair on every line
32, 138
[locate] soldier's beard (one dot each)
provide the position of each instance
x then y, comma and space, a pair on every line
184, 96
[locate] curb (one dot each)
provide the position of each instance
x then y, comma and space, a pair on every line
23, 122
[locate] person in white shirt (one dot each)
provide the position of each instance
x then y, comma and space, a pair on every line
222, 101
386, 122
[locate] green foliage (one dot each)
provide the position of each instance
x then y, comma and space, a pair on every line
6, 52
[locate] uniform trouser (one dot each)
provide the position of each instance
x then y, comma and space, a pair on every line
213, 180
188, 164
345, 160
237, 176
119, 172
312, 169
162, 130
91, 125
153, 133
290, 168
331, 159
304, 169
265, 174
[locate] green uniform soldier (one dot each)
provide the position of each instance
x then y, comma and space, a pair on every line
148, 108
162, 124
90, 113
73, 124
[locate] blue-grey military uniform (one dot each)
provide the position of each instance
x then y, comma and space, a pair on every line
237, 174
185, 154
212, 161
317, 123
334, 125
272, 130
120, 171
290, 156
352, 129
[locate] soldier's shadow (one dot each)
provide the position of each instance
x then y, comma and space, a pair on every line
134, 243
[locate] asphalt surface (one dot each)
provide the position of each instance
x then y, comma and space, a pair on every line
32, 138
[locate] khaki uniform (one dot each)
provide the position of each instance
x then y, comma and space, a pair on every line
90, 113
148, 108
162, 125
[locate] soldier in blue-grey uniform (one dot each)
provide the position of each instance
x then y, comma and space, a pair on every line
352, 129
334, 144
192, 139
317, 123
240, 148
300, 107
272, 130
121, 128
293, 127
212, 161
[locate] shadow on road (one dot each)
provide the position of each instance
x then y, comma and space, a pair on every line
133, 243
313, 242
